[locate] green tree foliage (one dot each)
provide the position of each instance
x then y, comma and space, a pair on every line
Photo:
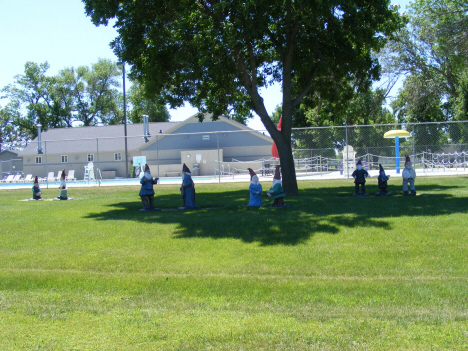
10, 133
154, 107
217, 54
363, 108
429, 52
35, 93
94, 92
84, 96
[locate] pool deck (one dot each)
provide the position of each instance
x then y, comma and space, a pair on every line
231, 179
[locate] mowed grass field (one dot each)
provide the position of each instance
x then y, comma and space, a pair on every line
330, 272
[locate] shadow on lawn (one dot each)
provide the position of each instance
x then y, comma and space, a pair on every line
316, 210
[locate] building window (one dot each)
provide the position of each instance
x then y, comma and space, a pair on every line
206, 137
38, 159
64, 159
90, 158
118, 157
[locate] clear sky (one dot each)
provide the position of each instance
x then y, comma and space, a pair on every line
58, 31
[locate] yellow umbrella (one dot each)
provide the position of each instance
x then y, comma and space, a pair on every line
396, 133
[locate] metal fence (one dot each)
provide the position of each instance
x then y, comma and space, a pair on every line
319, 150
430, 146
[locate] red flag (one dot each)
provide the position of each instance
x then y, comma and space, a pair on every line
274, 149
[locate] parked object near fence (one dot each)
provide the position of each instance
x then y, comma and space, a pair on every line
349, 160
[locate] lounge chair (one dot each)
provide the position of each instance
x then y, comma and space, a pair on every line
17, 178
59, 175
71, 175
28, 179
10, 178
50, 177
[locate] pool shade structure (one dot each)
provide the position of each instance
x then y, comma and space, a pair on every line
397, 133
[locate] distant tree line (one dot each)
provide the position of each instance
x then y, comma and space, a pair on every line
84, 96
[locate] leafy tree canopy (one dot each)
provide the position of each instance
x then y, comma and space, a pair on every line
141, 104
84, 96
431, 52
217, 54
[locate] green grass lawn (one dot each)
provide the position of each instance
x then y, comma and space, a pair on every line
330, 272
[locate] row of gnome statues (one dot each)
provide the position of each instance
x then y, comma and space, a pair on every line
360, 175
37, 193
276, 193
187, 190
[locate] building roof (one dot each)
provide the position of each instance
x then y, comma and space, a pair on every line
83, 139
222, 124
93, 140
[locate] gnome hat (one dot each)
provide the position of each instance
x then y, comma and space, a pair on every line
408, 161
185, 169
36, 180
381, 168
63, 176
277, 173
251, 172
147, 169
359, 163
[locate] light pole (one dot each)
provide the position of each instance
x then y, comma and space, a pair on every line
122, 63
39, 138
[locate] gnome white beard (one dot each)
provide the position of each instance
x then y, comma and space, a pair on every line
359, 167
276, 181
254, 180
406, 173
148, 175
63, 185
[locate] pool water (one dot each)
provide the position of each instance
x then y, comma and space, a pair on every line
104, 182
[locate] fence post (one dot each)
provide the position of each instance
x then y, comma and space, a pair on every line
367, 154
46, 165
157, 152
320, 165
97, 153
219, 173
347, 160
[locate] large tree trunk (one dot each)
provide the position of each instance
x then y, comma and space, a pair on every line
288, 169
283, 144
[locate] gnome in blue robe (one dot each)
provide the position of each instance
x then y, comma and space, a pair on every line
255, 190
382, 182
360, 175
187, 190
36, 190
147, 191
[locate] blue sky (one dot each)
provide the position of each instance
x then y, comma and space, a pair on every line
58, 31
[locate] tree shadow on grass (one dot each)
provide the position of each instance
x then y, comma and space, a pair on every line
224, 217
316, 210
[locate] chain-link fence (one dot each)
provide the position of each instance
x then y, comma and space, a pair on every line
430, 146
320, 150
